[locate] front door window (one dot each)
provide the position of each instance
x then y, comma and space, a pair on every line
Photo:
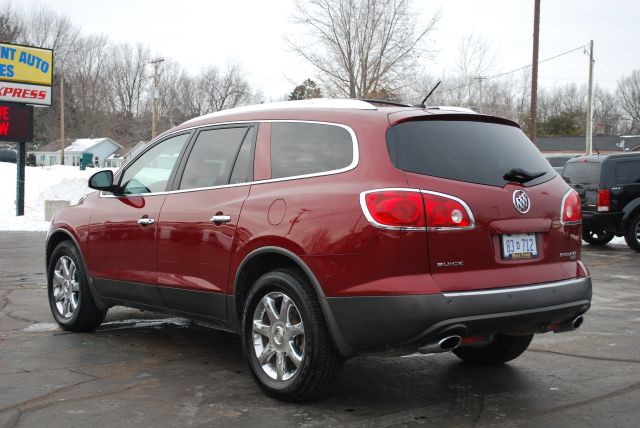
150, 172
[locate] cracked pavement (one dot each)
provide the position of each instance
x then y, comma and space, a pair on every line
146, 369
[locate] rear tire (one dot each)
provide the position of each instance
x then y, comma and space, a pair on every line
283, 325
597, 237
633, 233
70, 298
502, 349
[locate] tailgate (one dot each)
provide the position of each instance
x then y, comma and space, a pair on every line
517, 238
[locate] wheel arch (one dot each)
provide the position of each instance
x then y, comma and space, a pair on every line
55, 238
265, 259
630, 211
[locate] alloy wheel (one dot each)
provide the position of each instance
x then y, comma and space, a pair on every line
66, 288
278, 336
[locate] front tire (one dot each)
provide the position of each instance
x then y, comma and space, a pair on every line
70, 298
633, 233
501, 349
597, 237
285, 339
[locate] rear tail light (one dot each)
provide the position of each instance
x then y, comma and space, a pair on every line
446, 212
604, 200
571, 211
394, 208
413, 209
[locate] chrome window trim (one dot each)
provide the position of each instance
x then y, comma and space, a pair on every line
354, 162
508, 290
371, 220
564, 198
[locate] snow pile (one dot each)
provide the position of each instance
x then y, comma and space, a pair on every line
41, 183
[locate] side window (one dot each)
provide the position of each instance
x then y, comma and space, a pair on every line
243, 168
628, 172
212, 158
151, 171
308, 148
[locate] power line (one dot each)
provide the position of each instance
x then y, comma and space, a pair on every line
512, 71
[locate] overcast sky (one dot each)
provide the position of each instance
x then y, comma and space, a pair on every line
196, 33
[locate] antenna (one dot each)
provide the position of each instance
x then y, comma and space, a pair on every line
422, 104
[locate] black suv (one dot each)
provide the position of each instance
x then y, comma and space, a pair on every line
609, 187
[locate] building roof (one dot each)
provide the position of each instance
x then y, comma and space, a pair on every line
608, 143
79, 145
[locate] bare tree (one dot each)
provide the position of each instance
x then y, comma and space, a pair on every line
171, 111
361, 47
629, 95
475, 60
193, 100
126, 78
475, 56
224, 89
606, 112
88, 90
11, 24
48, 29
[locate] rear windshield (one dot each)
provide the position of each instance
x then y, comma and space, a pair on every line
559, 161
476, 152
582, 172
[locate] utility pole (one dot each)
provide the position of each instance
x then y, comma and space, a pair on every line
480, 79
61, 120
534, 71
589, 148
156, 74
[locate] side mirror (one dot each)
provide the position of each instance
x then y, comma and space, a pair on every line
102, 180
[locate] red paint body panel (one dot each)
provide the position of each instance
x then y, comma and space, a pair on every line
120, 248
193, 252
480, 249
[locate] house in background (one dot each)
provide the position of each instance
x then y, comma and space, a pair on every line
100, 148
118, 159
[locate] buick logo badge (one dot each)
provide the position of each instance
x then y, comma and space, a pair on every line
521, 201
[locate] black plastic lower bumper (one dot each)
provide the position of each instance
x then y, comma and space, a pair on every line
609, 222
385, 322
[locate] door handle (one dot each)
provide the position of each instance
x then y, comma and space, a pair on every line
219, 218
146, 221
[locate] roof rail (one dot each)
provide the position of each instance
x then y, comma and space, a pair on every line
330, 103
385, 102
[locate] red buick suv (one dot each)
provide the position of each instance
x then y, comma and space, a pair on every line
321, 229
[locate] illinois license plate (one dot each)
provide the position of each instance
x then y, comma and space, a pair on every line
519, 246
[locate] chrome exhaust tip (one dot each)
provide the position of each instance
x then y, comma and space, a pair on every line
445, 344
449, 343
577, 322
570, 325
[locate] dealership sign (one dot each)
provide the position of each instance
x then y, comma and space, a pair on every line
16, 122
25, 74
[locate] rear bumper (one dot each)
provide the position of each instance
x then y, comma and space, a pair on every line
610, 222
377, 323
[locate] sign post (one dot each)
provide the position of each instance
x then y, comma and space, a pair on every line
16, 124
20, 162
25, 80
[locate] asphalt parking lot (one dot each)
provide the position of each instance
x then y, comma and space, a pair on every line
142, 369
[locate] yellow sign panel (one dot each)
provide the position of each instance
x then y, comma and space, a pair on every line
25, 64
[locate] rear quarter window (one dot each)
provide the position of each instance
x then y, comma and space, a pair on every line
628, 172
299, 148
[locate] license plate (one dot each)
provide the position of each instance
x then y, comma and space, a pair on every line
519, 246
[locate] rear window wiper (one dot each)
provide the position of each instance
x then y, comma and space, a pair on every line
522, 176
